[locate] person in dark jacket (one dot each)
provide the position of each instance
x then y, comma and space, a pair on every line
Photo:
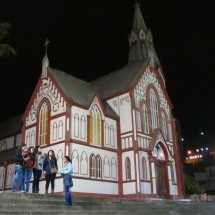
18, 178
50, 163
37, 169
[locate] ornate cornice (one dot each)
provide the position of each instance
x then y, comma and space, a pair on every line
147, 78
50, 92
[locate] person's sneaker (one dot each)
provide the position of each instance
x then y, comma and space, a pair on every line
22, 191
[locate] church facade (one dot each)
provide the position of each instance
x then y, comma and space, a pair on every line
118, 129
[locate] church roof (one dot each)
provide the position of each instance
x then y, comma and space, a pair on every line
119, 80
80, 92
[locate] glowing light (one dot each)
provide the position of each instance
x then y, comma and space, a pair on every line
189, 152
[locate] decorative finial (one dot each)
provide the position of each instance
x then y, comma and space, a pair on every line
46, 44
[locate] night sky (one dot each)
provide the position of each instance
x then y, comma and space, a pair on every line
90, 38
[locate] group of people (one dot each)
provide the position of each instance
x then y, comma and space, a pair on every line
31, 161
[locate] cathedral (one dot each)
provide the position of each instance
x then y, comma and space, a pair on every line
118, 129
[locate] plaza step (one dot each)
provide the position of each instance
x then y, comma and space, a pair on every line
45, 204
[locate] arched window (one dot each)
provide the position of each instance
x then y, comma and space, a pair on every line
112, 137
128, 169
93, 166
76, 125
172, 174
28, 138
96, 166
95, 126
144, 169
43, 124
113, 168
145, 120
164, 127
106, 134
32, 139
154, 110
60, 129
54, 137
83, 126
170, 132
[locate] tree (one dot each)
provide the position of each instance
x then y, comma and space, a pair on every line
5, 49
192, 187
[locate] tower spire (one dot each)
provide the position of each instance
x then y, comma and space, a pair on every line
138, 37
141, 42
45, 63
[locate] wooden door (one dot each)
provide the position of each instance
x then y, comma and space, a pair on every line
161, 180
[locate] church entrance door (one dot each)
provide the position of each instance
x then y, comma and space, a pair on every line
161, 179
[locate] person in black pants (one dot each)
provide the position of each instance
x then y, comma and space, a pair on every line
37, 169
49, 164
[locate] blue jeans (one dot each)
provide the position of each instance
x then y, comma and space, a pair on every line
27, 177
68, 199
18, 178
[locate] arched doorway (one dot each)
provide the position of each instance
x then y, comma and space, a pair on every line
161, 172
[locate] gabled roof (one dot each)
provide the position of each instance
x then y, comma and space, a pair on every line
79, 91
11, 126
120, 80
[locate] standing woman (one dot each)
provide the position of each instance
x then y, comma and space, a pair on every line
18, 178
67, 179
49, 164
37, 169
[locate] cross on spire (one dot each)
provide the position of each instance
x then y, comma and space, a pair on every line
46, 44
